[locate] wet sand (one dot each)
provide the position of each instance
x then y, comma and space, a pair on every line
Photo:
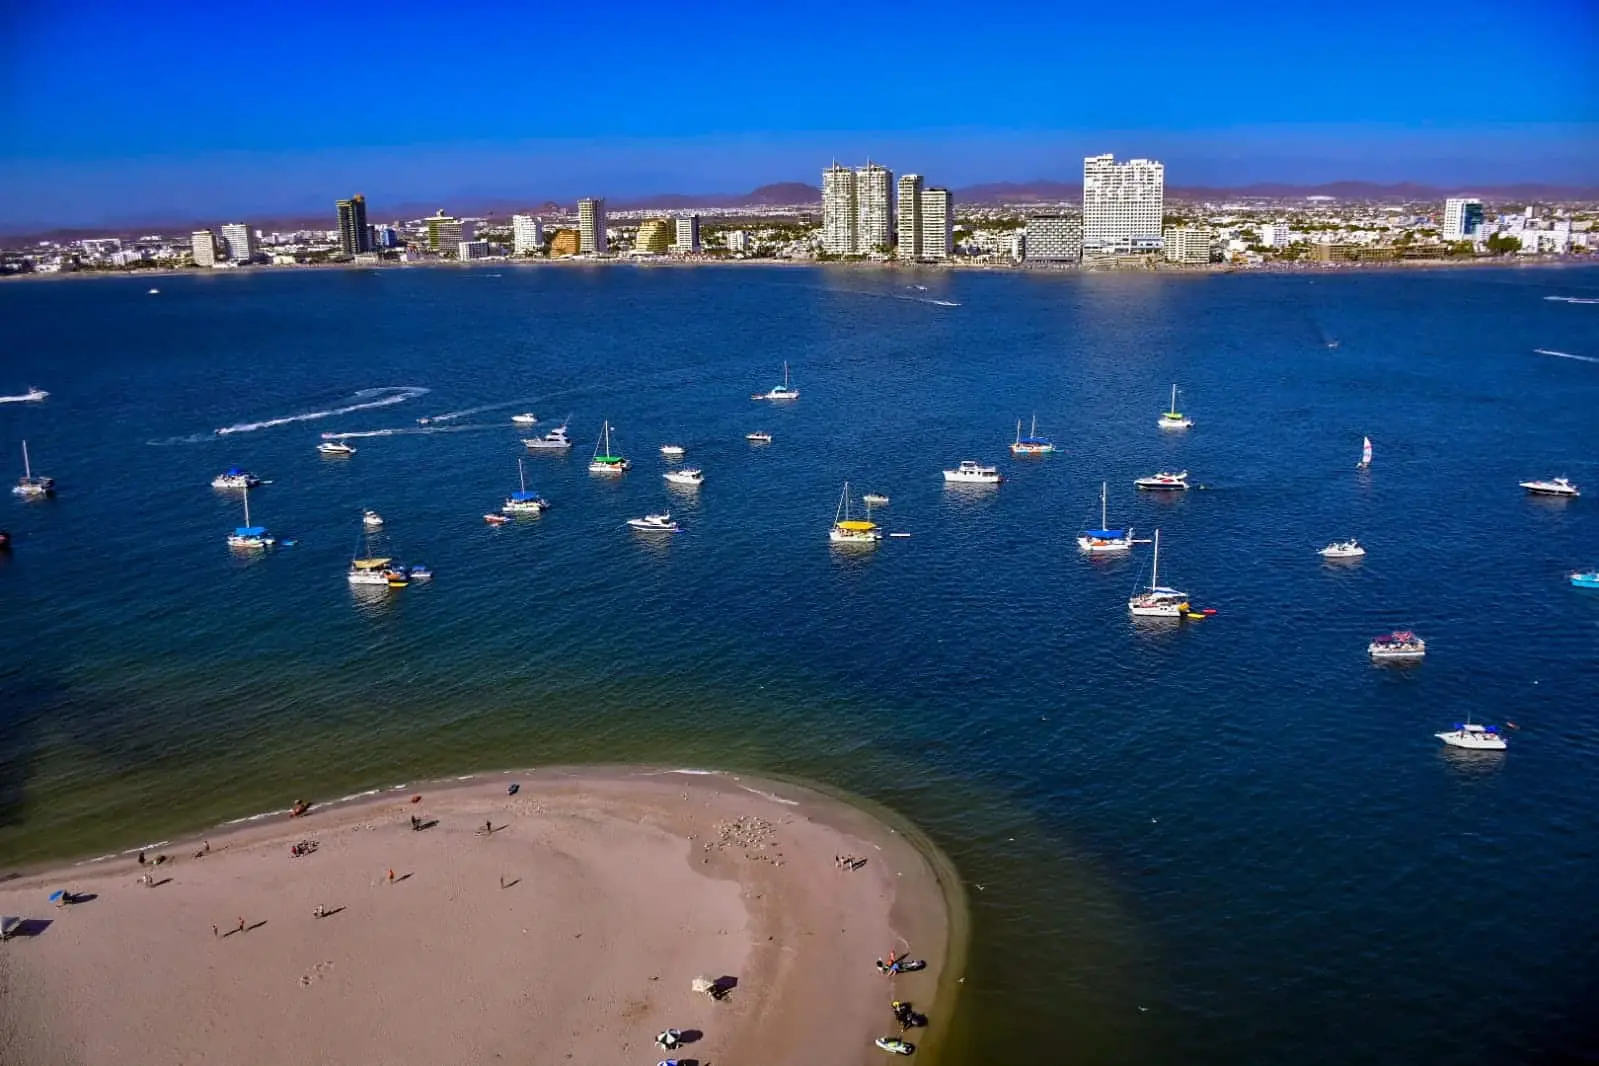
620, 887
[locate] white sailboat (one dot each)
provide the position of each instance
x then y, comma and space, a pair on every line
779, 392
604, 462
1174, 419
1157, 601
30, 486
851, 531
1103, 539
523, 502
248, 536
1365, 455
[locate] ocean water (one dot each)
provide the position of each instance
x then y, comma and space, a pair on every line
1235, 841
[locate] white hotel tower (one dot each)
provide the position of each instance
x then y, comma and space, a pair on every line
1123, 204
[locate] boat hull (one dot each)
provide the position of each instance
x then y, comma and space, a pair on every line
1473, 741
1090, 544
1586, 581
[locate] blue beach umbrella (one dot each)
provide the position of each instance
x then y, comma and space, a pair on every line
58, 895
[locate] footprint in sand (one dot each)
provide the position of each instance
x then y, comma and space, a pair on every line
317, 972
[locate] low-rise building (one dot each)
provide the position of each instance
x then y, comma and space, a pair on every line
737, 240
1188, 245
472, 250
566, 242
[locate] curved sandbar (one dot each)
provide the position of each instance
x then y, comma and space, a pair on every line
621, 885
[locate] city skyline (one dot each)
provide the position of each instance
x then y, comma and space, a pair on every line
103, 122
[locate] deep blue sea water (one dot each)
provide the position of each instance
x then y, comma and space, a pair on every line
1235, 841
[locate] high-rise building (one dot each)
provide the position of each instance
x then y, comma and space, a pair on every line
938, 223
527, 234
591, 226
354, 235
1188, 245
687, 240
240, 242
1122, 203
838, 210
1053, 239
445, 232
654, 236
1274, 234
1463, 218
910, 216
203, 244
874, 201
385, 237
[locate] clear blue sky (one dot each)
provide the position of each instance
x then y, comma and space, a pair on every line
127, 109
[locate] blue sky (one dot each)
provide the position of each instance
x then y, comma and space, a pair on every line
140, 109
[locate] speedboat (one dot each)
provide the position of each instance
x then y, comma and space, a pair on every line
1555, 486
33, 395
235, 478
653, 523
758, 437
672, 451
1165, 481
894, 1045
420, 573
524, 419
1343, 549
1102, 539
335, 448
371, 519
779, 392
153, 292
687, 476
1588, 580
555, 440
1476, 737
1400, 644
875, 499
30, 487
1174, 419
852, 531
1157, 600
495, 519
971, 472
1032, 444
604, 462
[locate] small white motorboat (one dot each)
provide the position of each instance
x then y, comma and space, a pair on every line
875, 499
971, 472
1399, 645
653, 523
758, 437
524, 419
153, 292
672, 451
1165, 481
371, 519
1475, 737
1555, 486
690, 476
335, 448
1343, 549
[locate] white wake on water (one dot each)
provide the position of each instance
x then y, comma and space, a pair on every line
1566, 355
451, 415
366, 399
408, 431
1574, 299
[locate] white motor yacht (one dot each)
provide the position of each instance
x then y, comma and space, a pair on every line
371, 519
555, 440
235, 478
1343, 549
691, 476
1398, 645
653, 523
1555, 486
1165, 481
971, 472
1475, 737
526, 418
336, 448
760, 436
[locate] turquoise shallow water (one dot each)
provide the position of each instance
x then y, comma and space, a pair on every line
1242, 827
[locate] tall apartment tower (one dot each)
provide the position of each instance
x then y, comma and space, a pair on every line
839, 211
1122, 203
203, 245
591, 238
938, 223
874, 200
687, 238
354, 235
240, 242
527, 234
1462, 218
910, 216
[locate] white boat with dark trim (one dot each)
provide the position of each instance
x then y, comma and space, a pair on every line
604, 462
235, 478
1175, 419
672, 451
1343, 549
853, 532
875, 499
33, 395
760, 436
371, 519
335, 448
1555, 486
29, 486
555, 440
248, 536
971, 472
691, 476
1102, 539
1401, 644
1158, 601
1165, 481
653, 523
1474, 737
1032, 444
779, 392
525, 501
526, 418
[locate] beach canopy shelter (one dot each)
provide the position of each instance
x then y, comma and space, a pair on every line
704, 985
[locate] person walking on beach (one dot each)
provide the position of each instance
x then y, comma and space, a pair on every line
214, 931
488, 826
391, 875
241, 926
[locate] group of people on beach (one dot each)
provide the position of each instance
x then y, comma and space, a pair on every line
848, 862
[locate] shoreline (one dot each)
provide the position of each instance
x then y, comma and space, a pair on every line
908, 891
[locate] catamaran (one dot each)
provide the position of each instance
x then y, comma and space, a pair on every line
604, 462
555, 440
248, 536
1102, 539
1158, 601
1173, 419
779, 392
374, 570
1365, 454
235, 478
851, 531
30, 486
524, 502
1032, 444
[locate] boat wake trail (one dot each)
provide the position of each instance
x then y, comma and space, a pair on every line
1574, 299
899, 296
1567, 355
409, 431
450, 416
365, 400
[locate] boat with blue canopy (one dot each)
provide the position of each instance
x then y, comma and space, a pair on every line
1102, 539
1032, 444
525, 501
247, 535
1586, 580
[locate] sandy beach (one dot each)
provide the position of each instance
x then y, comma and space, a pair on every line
564, 924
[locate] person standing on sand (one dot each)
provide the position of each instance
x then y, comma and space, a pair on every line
241, 926
391, 875
214, 931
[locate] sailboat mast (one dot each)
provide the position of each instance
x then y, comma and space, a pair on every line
1154, 569
521, 474
1174, 399
1102, 512
247, 504
27, 468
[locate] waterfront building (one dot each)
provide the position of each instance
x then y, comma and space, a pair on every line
937, 223
687, 236
354, 234
1123, 204
654, 236
240, 242
591, 234
203, 243
1188, 245
527, 234
874, 200
385, 237
472, 250
566, 242
445, 232
1463, 218
838, 210
910, 216
1053, 239
737, 240
1274, 234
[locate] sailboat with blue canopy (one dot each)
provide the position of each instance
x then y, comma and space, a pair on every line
524, 501
1102, 539
247, 535
1032, 444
